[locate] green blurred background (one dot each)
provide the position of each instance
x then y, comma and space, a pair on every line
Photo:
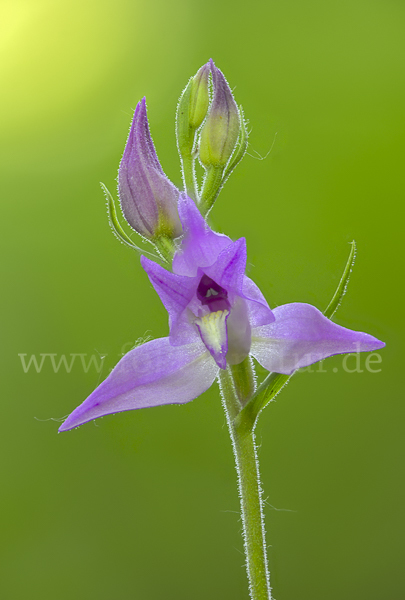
143, 505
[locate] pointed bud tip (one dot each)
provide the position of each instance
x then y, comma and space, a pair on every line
148, 198
192, 109
206, 67
221, 129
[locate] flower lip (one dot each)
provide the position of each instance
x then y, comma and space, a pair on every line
212, 295
213, 332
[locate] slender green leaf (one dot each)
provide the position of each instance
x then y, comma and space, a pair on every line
116, 226
342, 287
265, 393
113, 219
274, 382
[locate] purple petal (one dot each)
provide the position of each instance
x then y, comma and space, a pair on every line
153, 374
239, 333
258, 309
200, 246
301, 335
229, 268
148, 198
176, 292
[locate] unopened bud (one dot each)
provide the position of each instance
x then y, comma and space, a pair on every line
220, 132
148, 198
199, 97
192, 109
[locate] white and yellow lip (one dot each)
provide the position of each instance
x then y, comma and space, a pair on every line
226, 334
213, 332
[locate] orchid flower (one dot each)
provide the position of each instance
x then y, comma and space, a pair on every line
219, 321
217, 317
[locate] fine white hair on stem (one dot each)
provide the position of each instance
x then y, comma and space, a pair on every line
243, 470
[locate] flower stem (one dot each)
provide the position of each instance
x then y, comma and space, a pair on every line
243, 442
165, 247
189, 178
213, 182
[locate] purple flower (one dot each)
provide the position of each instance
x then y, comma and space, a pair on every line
217, 317
148, 198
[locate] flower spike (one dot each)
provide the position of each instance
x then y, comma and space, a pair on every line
219, 321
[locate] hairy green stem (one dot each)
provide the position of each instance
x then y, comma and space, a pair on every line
250, 493
212, 185
166, 247
189, 178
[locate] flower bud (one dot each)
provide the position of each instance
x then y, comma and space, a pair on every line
148, 198
192, 109
221, 129
199, 97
